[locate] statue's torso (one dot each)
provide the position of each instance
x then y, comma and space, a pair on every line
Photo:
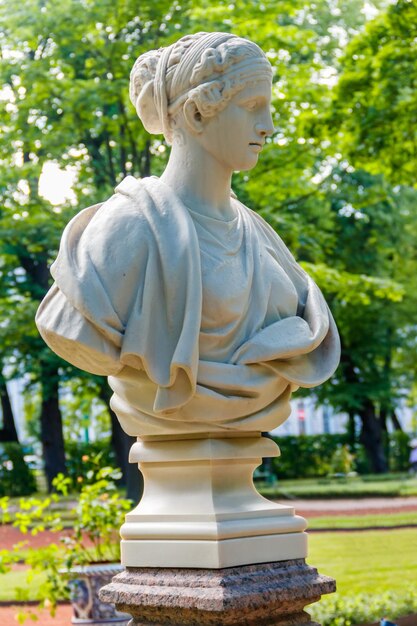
201, 325
244, 286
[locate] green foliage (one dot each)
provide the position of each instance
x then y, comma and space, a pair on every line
370, 562
342, 460
376, 101
64, 96
64, 87
354, 289
16, 479
99, 514
82, 412
362, 462
373, 224
306, 456
340, 487
399, 451
365, 521
84, 459
364, 608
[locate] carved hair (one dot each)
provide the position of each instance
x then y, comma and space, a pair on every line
209, 68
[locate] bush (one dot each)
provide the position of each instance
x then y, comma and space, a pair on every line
342, 460
84, 459
16, 479
364, 608
362, 461
93, 538
399, 451
306, 456
311, 456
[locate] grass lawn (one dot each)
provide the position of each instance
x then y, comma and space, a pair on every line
363, 521
361, 562
10, 581
368, 561
356, 487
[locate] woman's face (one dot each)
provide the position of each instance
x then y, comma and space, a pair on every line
236, 135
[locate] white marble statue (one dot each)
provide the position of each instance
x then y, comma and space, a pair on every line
186, 299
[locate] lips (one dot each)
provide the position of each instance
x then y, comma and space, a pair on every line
256, 146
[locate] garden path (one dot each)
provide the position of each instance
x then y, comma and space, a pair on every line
8, 616
307, 508
353, 506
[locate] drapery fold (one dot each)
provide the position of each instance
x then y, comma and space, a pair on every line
128, 299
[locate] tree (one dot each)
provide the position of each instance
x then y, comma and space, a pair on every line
8, 430
374, 115
63, 80
373, 231
375, 103
345, 225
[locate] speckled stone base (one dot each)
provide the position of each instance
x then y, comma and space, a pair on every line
268, 594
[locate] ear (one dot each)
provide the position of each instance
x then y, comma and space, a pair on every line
193, 117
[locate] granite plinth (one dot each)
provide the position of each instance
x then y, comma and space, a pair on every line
252, 595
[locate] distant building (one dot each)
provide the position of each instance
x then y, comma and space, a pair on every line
15, 388
308, 419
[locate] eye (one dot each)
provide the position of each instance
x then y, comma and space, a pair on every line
251, 105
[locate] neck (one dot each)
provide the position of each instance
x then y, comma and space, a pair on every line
202, 183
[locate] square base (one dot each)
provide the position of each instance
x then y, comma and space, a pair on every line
253, 595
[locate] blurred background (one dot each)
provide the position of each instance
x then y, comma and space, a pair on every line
337, 181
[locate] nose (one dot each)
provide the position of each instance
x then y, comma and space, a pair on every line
265, 127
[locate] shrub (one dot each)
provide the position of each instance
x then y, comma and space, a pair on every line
306, 456
92, 538
362, 461
364, 608
16, 479
311, 456
342, 460
85, 459
399, 451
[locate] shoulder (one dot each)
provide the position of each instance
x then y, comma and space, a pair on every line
117, 221
106, 235
125, 210
104, 253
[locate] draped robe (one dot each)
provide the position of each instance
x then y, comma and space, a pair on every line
202, 325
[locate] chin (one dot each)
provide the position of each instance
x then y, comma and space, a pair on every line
247, 164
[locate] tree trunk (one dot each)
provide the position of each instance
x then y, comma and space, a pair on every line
351, 430
121, 443
52, 436
8, 432
383, 419
396, 422
372, 438
146, 160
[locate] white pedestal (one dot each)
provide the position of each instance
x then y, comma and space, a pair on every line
200, 508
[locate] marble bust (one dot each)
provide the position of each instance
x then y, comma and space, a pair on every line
197, 312
185, 298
